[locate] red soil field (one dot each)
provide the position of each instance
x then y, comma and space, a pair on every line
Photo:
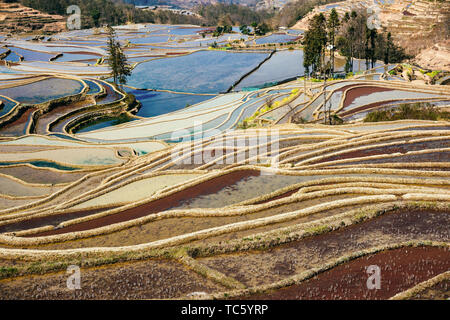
401, 269
159, 205
354, 93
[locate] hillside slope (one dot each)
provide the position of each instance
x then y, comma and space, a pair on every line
420, 26
15, 17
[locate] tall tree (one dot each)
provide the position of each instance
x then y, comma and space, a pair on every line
370, 46
333, 23
351, 33
389, 45
117, 60
315, 42
372, 38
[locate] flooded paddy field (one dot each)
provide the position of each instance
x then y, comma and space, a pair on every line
213, 71
42, 91
219, 161
157, 103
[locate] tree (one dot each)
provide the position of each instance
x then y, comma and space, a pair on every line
315, 42
389, 45
262, 29
346, 17
117, 60
371, 35
220, 30
244, 29
333, 24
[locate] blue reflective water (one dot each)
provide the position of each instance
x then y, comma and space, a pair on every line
8, 70
192, 133
238, 30
13, 57
87, 43
331, 6
195, 43
276, 38
156, 103
185, 31
30, 55
6, 106
93, 87
282, 65
44, 90
67, 57
150, 39
295, 32
102, 124
200, 72
42, 164
64, 136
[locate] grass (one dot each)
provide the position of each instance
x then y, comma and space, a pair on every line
417, 111
249, 122
433, 73
6, 272
318, 230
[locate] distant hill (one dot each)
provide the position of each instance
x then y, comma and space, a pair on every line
422, 27
189, 4
15, 17
51, 15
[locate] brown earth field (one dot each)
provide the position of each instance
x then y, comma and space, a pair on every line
33, 175
400, 269
18, 127
267, 266
150, 279
425, 157
49, 220
171, 227
357, 92
208, 187
398, 148
366, 107
440, 291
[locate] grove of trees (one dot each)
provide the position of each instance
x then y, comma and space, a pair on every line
350, 36
117, 60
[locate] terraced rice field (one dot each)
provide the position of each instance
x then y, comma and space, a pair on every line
181, 202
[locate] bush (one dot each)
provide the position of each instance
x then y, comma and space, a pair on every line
433, 73
417, 111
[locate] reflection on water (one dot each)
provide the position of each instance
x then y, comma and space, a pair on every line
247, 188
275, 38
156, 103
282, 65
200, 72
44, 90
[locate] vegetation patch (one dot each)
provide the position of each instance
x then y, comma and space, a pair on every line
417, 111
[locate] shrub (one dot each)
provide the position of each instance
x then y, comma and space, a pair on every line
417, 111
7, 271
433, 73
